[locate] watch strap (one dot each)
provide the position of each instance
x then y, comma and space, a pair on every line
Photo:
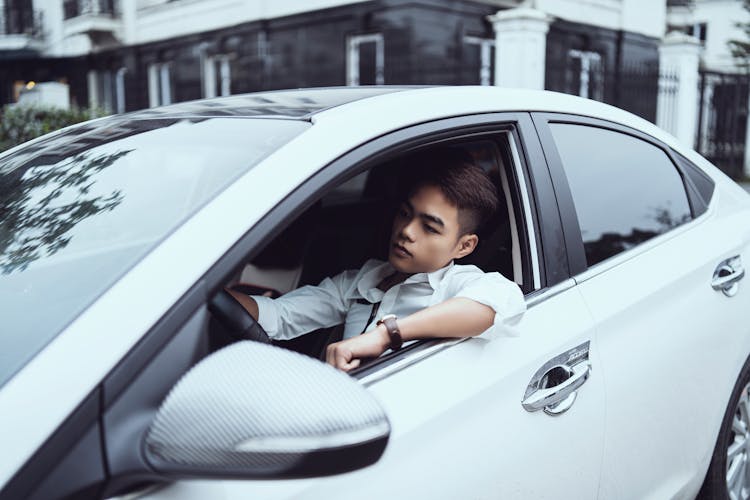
389, 320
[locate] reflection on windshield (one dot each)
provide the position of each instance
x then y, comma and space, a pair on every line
80, 208
41, 204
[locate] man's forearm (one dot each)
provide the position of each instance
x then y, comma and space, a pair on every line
456, 317
246, 301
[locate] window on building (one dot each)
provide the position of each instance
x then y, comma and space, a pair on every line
698, 30
217, 76
585, 75
478, 60
107, 90
625, 190
159, 84
365, 60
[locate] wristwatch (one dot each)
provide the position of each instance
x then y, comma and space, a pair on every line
389, 320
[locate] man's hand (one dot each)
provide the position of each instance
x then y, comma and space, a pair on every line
346, 355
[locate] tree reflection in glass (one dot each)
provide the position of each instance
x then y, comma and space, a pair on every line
660, 220
40, 204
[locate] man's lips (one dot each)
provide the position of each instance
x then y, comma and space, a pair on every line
400, 250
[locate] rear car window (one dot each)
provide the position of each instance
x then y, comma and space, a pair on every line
625, 190
79, 208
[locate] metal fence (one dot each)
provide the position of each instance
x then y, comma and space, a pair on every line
634, 87
722, 120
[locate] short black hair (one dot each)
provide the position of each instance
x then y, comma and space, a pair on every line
461, 181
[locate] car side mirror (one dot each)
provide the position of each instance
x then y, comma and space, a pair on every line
256, 411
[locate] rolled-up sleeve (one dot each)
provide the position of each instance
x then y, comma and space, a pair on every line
307, 308
493, 290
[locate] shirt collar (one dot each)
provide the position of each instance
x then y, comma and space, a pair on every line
368, 284
434, 278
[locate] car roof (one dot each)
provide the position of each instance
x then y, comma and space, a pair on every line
298, 103
379, 108
429, 103
411, 103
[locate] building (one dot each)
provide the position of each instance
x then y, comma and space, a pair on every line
721, 131
123, 55
130, 54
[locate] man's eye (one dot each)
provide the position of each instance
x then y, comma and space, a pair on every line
430, 229
403, 212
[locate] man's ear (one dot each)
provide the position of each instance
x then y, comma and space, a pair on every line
466, 244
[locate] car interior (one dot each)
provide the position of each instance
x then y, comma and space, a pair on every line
351, 223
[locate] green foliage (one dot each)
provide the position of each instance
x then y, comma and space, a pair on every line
19, 124
741, 48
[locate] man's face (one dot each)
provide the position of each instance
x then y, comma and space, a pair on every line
426, 233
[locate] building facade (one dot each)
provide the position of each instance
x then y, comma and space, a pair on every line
123, 55
721, 126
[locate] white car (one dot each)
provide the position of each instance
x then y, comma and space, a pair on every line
627, 377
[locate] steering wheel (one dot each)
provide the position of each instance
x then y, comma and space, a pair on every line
232, 316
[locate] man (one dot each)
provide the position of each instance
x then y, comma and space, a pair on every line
419, 292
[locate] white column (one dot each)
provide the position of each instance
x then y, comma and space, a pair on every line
93, 89
129, 21
2, 18
677, 111
520, 47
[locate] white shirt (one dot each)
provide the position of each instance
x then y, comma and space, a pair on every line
349, 297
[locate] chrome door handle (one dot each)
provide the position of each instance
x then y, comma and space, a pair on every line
564, 392
727, 276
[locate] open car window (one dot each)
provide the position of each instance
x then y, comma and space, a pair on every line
351, 223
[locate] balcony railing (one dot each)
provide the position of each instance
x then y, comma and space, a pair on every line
15, 21
76, 8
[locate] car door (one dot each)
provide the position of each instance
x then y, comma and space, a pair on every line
515, 415
668, 341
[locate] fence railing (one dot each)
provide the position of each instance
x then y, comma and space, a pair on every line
75, 8
722, 119
634, 87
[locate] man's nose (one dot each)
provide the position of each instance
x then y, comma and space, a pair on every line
407, 232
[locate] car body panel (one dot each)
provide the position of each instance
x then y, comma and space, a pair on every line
652, 362
458, 413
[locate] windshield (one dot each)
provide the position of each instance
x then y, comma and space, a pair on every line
78, 209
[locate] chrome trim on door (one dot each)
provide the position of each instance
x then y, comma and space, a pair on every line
727, 276
403, 360
555, 397
517, 168
539, 296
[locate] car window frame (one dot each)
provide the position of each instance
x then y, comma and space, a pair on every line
543, 209
579, 268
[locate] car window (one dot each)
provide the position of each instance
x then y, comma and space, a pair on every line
625, 190
80, 208
351, 222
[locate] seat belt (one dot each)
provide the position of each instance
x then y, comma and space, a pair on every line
373, 312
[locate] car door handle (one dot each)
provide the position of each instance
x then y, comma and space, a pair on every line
549, 397
727, 276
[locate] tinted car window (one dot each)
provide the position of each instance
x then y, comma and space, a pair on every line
625, 190
78, 209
